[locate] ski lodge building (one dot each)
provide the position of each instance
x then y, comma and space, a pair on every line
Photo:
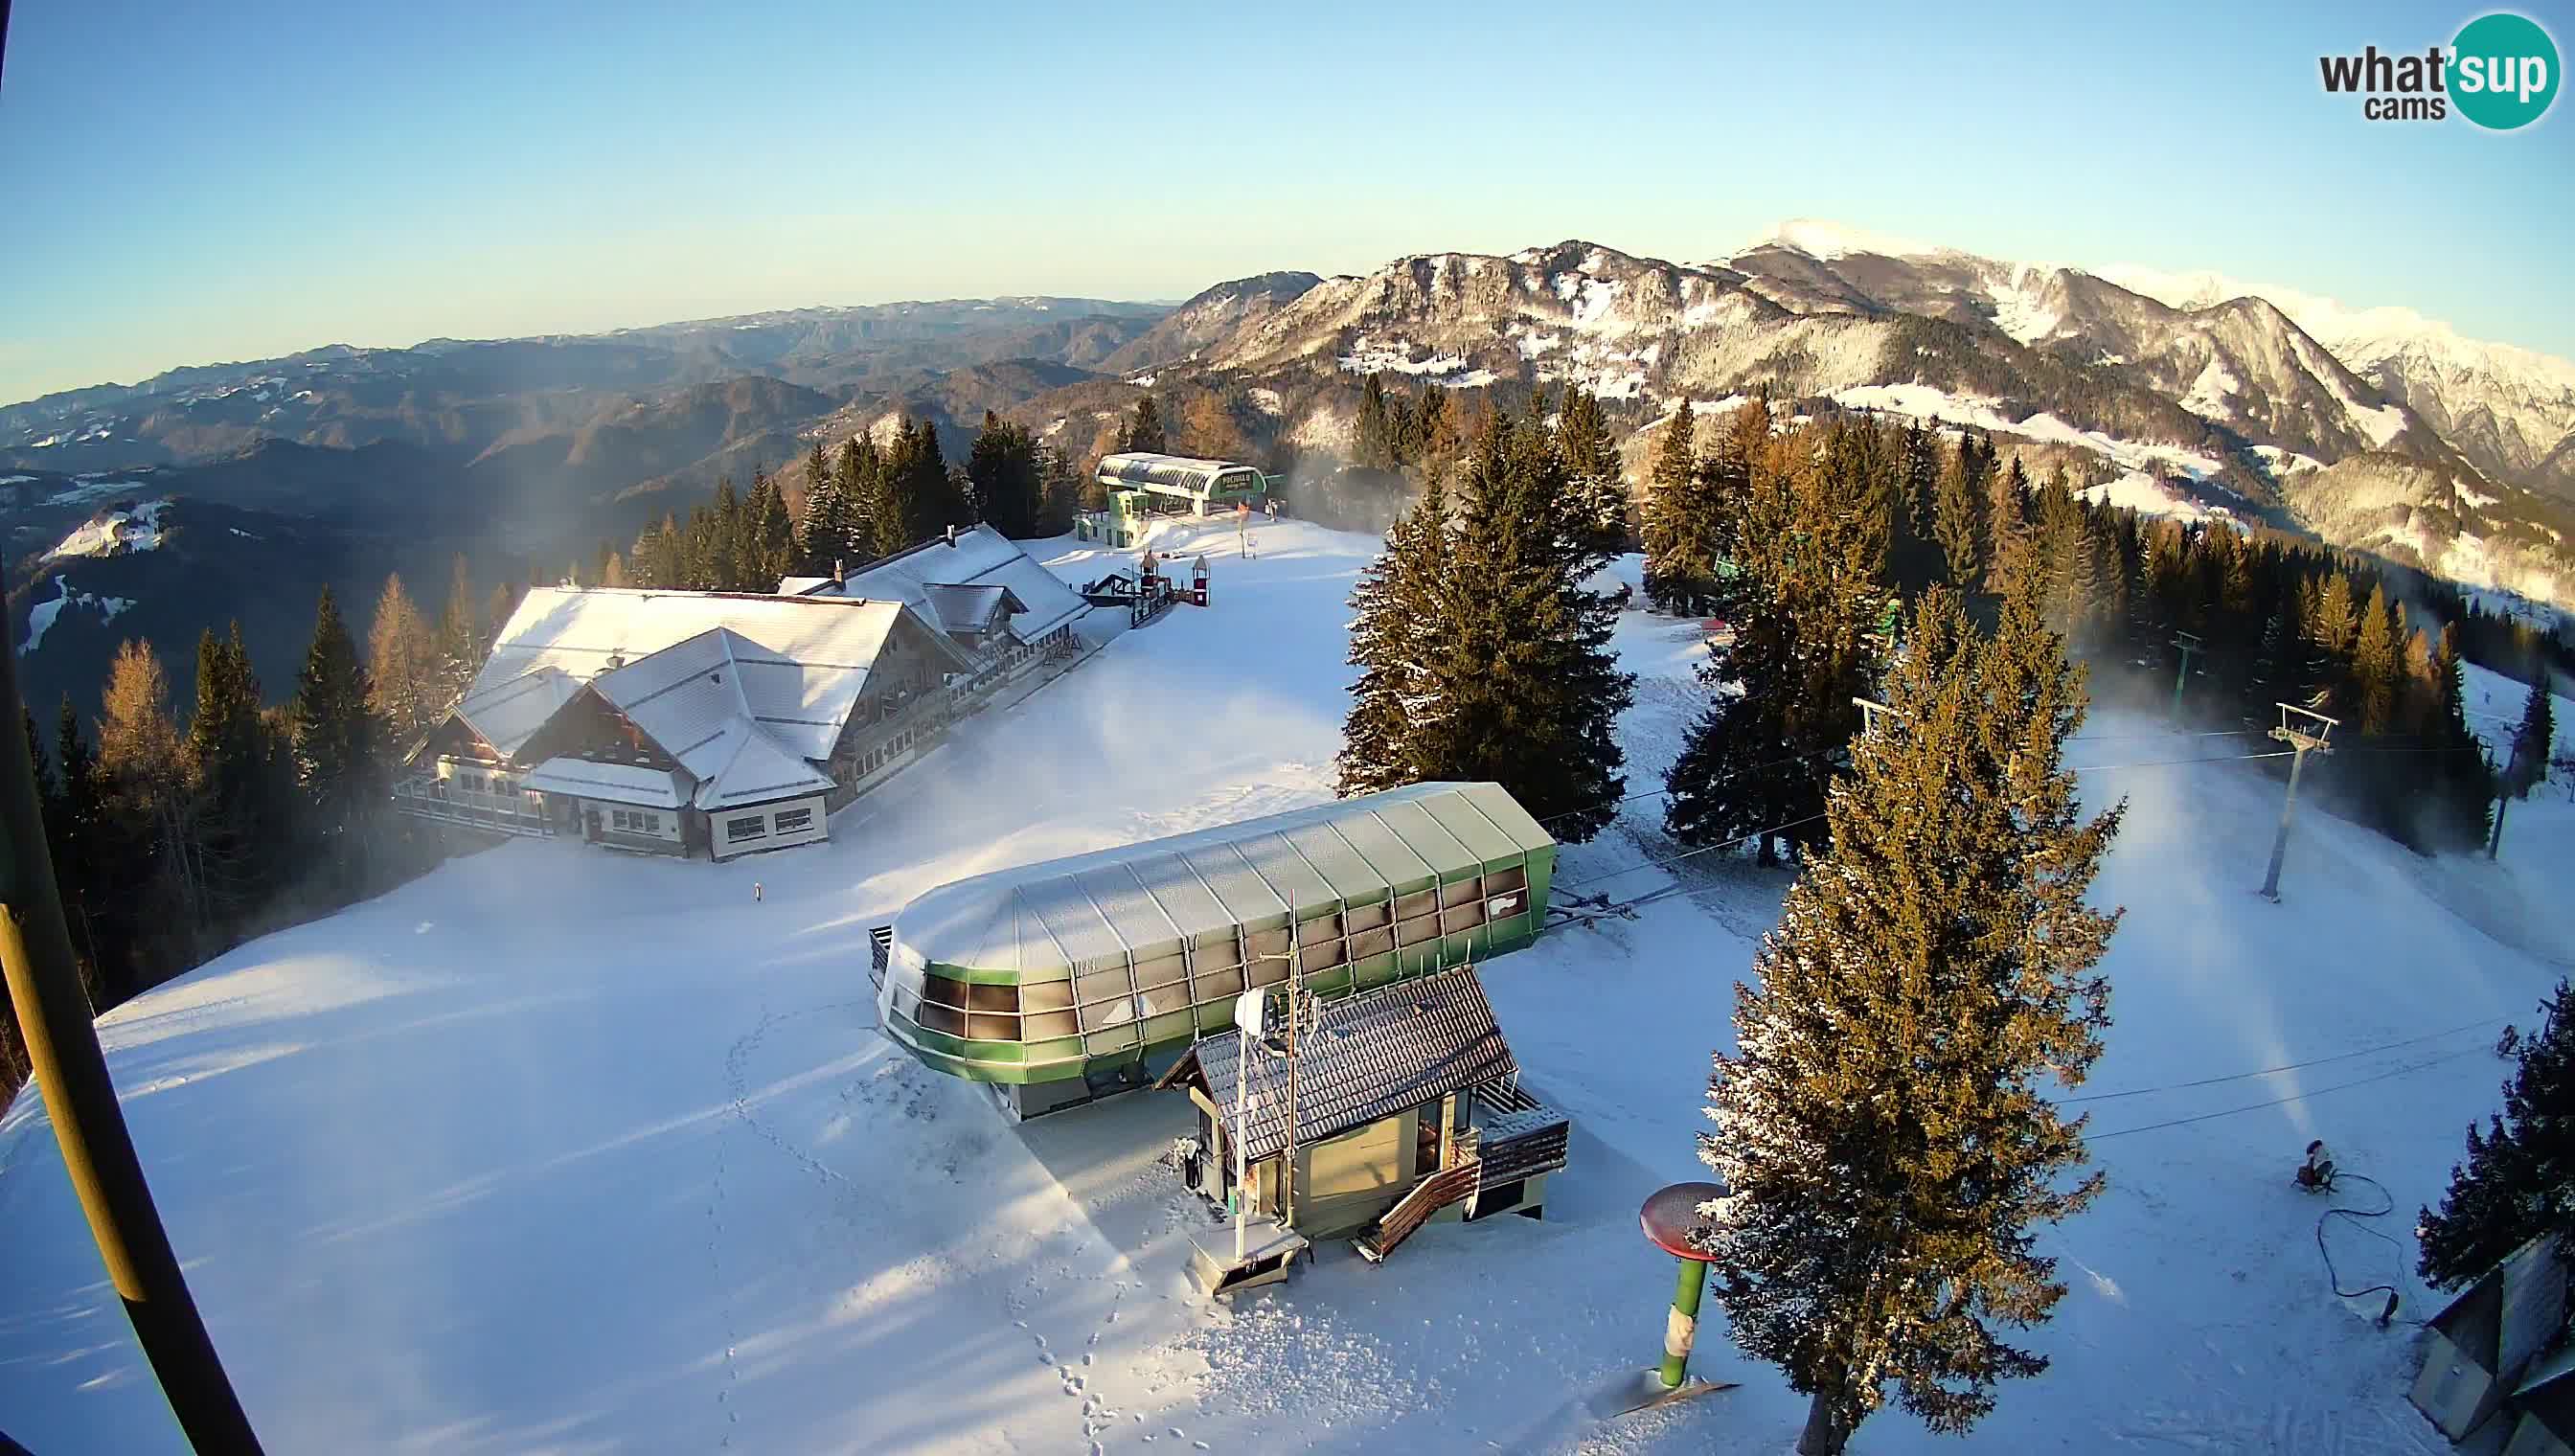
725, 723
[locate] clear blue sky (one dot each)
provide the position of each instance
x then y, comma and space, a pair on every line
190, 183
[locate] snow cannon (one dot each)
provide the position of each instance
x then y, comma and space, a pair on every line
1669, 1218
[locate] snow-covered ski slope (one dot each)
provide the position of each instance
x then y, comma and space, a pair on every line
560, 1151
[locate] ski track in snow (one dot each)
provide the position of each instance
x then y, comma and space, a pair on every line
559, 1149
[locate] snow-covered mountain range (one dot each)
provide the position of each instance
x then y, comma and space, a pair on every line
2187, 392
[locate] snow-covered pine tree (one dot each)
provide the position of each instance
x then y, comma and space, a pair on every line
1882, 1129
2519, 1179
1394, 619
1594, 479
1525, 689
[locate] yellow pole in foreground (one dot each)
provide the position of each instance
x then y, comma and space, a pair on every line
80, 1101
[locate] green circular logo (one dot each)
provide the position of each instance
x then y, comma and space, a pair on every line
2503, 71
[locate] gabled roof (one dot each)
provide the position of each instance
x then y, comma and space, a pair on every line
702, 700
1144, 899
505, 714
980, 557
1367, 1057
803, 659
970, 609
610, 782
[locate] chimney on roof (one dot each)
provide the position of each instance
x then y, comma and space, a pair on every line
952, 535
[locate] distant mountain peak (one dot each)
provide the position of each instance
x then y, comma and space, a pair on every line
1825, 240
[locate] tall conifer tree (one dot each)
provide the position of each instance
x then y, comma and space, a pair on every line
1884, 1130
2518, 1181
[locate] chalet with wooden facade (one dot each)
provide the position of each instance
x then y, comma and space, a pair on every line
1408, 1109
684, 723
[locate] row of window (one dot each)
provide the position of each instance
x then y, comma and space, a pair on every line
634, 822
757, 826
1213, 972
473, 782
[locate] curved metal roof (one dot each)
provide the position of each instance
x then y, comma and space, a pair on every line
1171, 472
1045, 920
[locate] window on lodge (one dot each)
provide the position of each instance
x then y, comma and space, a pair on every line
748, 826
969, 1009
634, 822
795, 820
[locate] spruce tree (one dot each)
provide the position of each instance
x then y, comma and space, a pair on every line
1594, 478
1506, 671
2459, 776
2011, 539
1144, 430
2534, 739
1529, 689
462, 640
2374, 667
238, 770
1957, 519
1884, 1133
2518, 1183
337, 740
1396, 614
1808, 608
1681, 562
767, 538
1003, 468
1372, 432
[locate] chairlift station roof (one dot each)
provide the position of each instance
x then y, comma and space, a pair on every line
1056, 970
1044, 920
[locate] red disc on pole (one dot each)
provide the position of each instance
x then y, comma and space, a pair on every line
1670, 1214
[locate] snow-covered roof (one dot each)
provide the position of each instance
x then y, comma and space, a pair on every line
1370, 1057
967, 609
740, 718
1044, 920
980, 557
505, 714
614, 783
803, 659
